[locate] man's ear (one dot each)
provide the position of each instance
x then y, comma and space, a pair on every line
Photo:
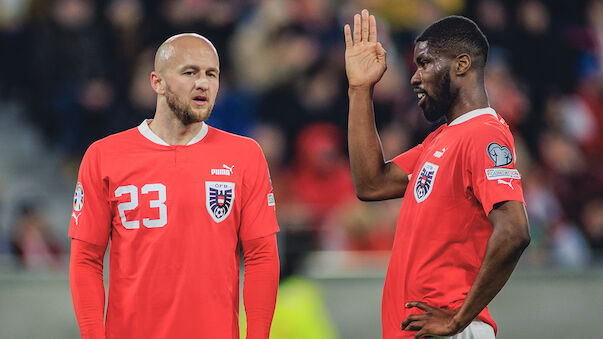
462, 64
157, 83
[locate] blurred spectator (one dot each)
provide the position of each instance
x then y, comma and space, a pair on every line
129, 34
317, 96
493, 20
32, 241
269, 49
70, 75
538, 60
361, 226
319, 177
13, 43
367, 226
413, 14
504, 92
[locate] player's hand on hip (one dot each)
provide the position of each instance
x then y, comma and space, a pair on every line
433, 322
364, 56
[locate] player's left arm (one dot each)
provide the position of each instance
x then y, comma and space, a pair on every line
260, 285
258, 240
510, 236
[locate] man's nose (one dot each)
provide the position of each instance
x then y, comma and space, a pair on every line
416, 78
202, 83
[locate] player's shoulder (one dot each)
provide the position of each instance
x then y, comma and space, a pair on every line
233, 142
118, 137
113, 141
487, 126
489, 132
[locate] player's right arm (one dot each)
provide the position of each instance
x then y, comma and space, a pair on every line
374, 179
87, 287
89, 230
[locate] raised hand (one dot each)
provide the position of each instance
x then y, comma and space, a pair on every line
434, 321
364, 56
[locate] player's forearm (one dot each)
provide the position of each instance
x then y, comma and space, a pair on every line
261, 285
509, 239
366, 153
87, 288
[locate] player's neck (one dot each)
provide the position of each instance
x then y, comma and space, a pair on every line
173, 131
467, 101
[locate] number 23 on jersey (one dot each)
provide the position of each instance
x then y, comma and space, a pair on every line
132, 190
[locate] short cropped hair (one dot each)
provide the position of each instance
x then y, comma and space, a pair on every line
455, 35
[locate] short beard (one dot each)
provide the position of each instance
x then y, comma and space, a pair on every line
181, 110
439, 108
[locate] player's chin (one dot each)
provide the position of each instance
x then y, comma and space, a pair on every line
201, 113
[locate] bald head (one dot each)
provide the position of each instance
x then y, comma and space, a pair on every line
170, 48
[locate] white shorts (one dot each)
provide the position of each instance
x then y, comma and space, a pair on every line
476, 330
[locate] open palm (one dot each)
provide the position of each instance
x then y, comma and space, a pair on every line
364, 56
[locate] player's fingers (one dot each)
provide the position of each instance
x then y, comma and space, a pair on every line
347, 32
372, 29
365, 25
419, 304
357, 34
415, 325
422, 335
411, 318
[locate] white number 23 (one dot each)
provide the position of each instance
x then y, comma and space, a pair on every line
133, 203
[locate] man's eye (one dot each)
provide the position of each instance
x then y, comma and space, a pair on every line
189, 73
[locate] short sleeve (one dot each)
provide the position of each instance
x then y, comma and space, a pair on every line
490, 167
258, 213
407, 160
91, 214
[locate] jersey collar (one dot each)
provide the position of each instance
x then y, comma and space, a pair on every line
473, 114
146, 131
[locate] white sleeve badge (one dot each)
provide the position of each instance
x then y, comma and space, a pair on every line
502, 173
271, 201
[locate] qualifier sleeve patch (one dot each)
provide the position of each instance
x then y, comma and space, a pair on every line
502, 173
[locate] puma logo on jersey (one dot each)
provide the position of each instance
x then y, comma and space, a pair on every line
500, 181
228, 168
225, 170
75, 216
438, 154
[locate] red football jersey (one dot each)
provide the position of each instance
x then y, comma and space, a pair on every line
456, 176
175, 216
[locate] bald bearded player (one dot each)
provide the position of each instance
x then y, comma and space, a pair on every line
178, 199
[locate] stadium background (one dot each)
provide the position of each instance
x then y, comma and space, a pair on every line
74, 71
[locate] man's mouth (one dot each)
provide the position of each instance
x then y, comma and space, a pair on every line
200, 100
421, 95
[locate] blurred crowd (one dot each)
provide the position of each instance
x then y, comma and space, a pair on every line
80, 68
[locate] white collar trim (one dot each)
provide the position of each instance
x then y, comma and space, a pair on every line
146, 132
473, 114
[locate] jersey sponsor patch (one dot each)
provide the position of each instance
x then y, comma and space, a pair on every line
425, 179
271, 201
78, 197
502, 173
219, 197
501, 155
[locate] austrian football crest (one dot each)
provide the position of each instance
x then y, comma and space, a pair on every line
425, 179
219, 197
